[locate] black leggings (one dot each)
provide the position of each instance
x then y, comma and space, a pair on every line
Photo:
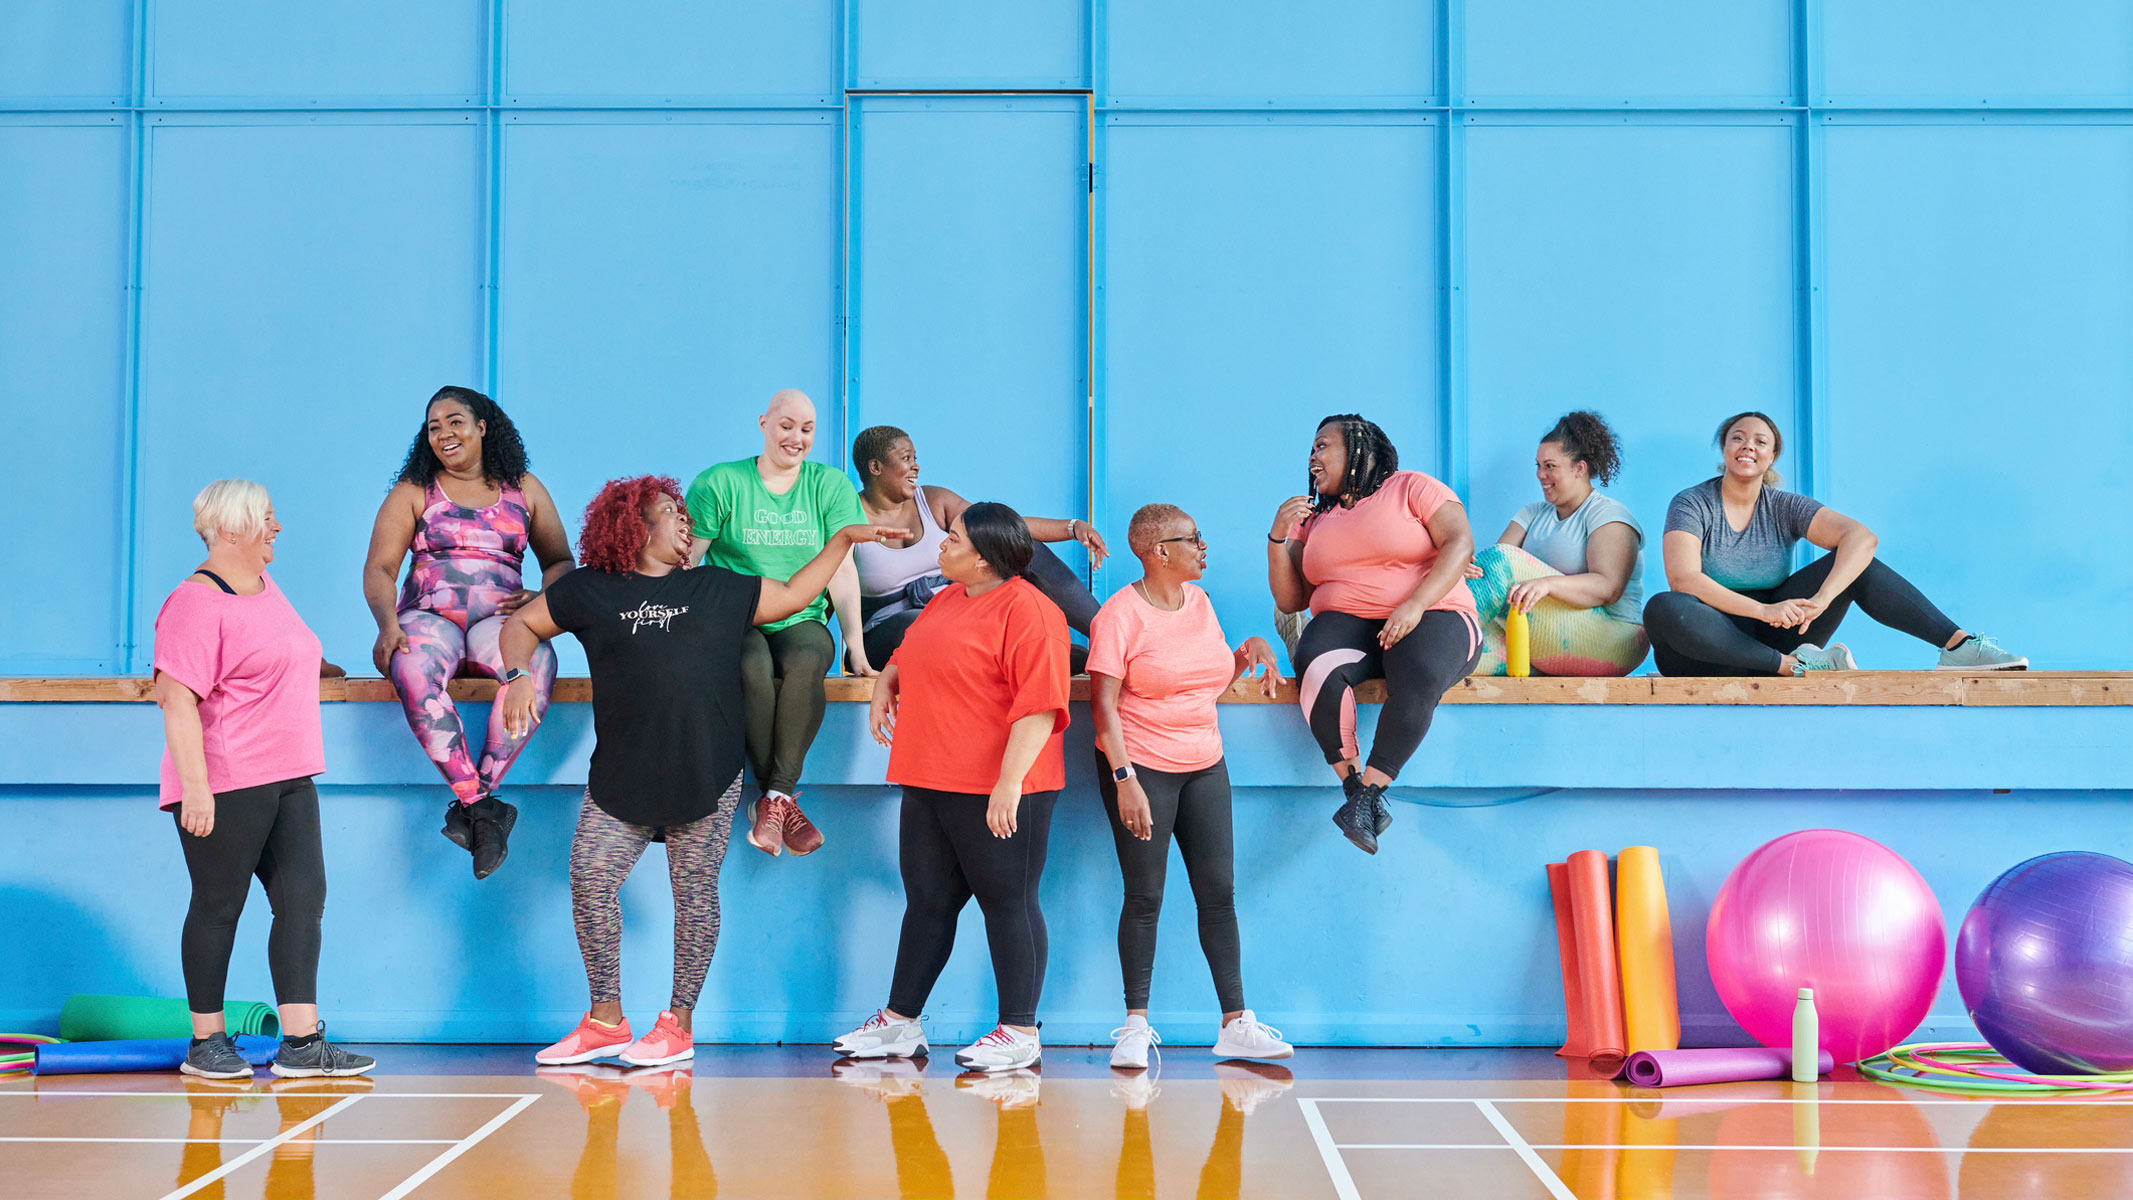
1052, 576
270, 831
1690, 637
1339, 651
781, 675
1193, 805
947, 855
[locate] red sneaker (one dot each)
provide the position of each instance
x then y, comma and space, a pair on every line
590, 1040
667, 1043
766, 824
801, 836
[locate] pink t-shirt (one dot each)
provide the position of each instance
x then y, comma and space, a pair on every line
254, 664
1171, 666
1366, 560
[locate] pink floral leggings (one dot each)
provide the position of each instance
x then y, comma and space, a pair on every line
461, 624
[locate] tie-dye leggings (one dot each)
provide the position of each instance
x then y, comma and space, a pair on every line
1564, 640
601, 857
454, 626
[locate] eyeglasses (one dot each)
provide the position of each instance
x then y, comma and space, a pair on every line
1193, 537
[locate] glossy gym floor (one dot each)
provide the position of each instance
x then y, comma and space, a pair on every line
442, 1122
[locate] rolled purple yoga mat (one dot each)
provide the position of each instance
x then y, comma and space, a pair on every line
1722, 1064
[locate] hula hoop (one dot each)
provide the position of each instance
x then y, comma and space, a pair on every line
1929, 1065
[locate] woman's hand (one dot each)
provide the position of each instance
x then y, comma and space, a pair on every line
518, 698
1473, 569
515, 601
1000, 811
855, 661
1401, 623
196, 811
881, 713
852, 535
1086, 534
1291, 514
1793, 614
1525, 595
391, 640
1255, 652
1133, 810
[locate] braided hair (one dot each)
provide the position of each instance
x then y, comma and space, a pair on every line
503, 455
1586, 438
1371, 461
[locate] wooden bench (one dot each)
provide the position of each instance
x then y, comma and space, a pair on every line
2004, 689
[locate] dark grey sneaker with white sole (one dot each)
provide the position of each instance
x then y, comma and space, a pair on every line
306, 1058
215, 1057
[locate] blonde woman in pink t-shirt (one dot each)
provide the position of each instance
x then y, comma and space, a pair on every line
1379, 555
1157, 664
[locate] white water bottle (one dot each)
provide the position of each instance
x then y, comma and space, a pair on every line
1806, 1039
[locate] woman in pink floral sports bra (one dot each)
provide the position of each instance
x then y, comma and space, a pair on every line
468, 509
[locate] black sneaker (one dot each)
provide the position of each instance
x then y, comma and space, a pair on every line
458, 827
492, 820
215, 1057
1357, 818
1380, 813
306, 1059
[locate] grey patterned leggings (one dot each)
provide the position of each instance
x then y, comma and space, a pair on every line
601, 857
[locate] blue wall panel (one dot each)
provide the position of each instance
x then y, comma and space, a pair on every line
62, 387
1258, 275
1564, 310
667, 273
67, 51
1981, 295
969, 44
433, 51
969, 268
661, 52
1970, 53
1267, 53
1659, 51
309, 286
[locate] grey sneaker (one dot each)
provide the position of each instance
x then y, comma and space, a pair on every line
215, 1057
1810, 657
318, 1057
1979, 652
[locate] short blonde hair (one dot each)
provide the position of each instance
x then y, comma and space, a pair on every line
1147, 522
237, 506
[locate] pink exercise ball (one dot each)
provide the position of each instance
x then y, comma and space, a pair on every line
1839, 913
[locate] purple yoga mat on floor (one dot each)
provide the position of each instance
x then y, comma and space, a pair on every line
1725, 1064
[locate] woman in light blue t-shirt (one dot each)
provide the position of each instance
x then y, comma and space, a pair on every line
1572, 561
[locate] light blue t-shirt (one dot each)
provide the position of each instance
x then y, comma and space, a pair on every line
1560, 542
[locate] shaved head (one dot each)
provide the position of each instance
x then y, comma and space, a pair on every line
791, 400
788, 427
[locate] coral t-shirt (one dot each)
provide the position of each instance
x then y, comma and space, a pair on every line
1171, 666
254, 664
968, 668
1365, 561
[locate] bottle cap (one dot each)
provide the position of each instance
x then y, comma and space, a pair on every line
1807, 993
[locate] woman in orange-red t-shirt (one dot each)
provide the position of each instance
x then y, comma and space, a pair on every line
972, 706
1379, 555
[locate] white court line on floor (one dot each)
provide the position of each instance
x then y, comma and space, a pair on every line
1546, 1175
261, 1148
190, 1141
1708, 1098
461, 1147
1771, 1146
240, 1094
1336, 1169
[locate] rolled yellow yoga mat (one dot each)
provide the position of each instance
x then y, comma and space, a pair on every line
1644, 938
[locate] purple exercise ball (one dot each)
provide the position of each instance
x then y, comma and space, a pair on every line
2045, 964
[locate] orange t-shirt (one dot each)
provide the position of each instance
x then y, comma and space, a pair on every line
967, 669
1366, 560
1171, 667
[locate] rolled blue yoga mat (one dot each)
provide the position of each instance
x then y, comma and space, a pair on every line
156, 1054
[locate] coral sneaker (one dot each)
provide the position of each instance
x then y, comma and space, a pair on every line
667, 1043
590, 1040
800, 835
766, 824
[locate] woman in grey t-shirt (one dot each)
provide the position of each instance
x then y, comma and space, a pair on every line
1737, 608
1573, 561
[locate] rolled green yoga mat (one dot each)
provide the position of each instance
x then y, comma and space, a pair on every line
137, 1018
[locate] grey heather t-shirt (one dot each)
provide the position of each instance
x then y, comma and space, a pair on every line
1560, 542
1758, 557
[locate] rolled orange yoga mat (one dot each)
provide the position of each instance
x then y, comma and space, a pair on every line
1650, 1018
1600, 986
1575, 1043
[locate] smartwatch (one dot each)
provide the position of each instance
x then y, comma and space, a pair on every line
1122, 774
515, 674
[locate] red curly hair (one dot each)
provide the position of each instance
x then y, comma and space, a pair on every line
614, 529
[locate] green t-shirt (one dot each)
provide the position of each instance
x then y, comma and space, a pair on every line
755, 532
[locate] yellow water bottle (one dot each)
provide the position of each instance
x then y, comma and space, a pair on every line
1517, 644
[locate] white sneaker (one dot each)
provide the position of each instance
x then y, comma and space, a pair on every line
883, 1036
1246, 1085
1018, 1087
885, 1078
1136, 1089
1246, 1037
1001, 1050
1132, 1043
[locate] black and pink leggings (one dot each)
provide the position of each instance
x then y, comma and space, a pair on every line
1339, 650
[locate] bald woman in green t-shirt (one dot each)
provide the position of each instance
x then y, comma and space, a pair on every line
768, 515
